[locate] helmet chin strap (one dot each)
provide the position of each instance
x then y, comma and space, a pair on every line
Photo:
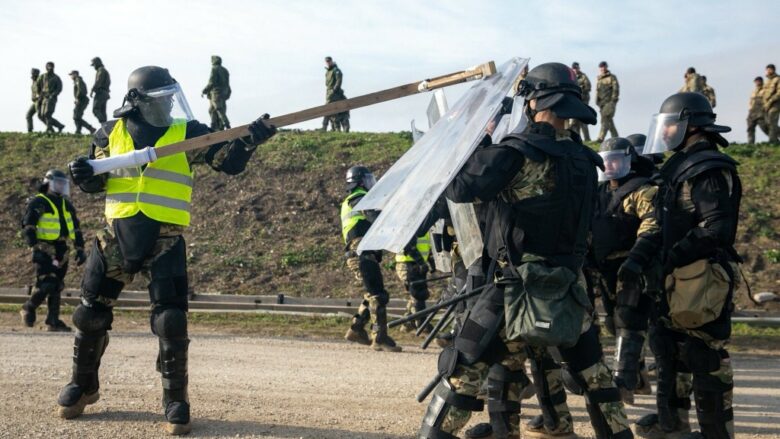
531, 114
688, 135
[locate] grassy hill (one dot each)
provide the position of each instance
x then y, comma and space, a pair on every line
275, 228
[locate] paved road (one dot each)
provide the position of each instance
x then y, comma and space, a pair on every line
274, 388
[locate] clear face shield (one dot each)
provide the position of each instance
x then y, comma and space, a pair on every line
162, 106
59, 185
369, 181
617, 164
667, 131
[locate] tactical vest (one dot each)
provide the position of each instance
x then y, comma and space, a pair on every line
49, 227
350, 217
423, 246
162, 190
553, 225
613, 229
676, 222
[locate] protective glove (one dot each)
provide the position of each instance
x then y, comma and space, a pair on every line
629, 272
29, 236
81, 170
260, 132
81, 257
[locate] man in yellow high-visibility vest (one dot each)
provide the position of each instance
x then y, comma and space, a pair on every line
48, 223
147, 210
411, 266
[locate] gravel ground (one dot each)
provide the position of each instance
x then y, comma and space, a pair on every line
274, 388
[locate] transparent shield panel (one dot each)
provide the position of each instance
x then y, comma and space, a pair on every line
617, 164
666, 133
464, 220
162, 106
441, 259
409, 189
436, 107
416, 134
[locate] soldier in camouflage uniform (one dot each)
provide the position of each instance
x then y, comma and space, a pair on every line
756, 115
48, 223
698, 206
100, 90
365, 266
771, 97
51, 87
147, 210
607, 94
708, 91
411, 266
334, 93
511, 179
36, 97
218, 91
80, 102
693, 82
584, 82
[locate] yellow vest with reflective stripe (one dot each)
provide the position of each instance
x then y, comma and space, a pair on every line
349, 217
162, 190
423, 246
49, 227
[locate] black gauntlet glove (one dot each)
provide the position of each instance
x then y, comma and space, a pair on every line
259, 131
81, 257
80, 170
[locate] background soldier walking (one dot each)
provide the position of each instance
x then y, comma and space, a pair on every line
48, 223
708, 91
80, 102
607, 94
36, 97
756, 113
218, 92
584, 82
333, 93
50, 87
100, 90
693, 82
771, 97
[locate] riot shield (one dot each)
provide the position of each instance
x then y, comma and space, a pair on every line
437, 107
416, 134
409, 189
464, 221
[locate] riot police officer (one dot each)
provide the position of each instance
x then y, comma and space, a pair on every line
698, 204
539, 186
48, 224
147, 210
365, 266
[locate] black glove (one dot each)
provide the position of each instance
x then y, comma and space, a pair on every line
260, 132
81, 257
29, 236
629, 272
81, 170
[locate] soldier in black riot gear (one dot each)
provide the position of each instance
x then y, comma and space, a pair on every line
147, 211
538, 188
698, 205
624, 218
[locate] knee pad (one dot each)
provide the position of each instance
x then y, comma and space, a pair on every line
700, 358
632, 318
585, 353
169, 323
95, 319
442, 399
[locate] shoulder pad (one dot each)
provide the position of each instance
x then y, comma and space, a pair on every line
521, 145
700, 162
535, 146
100, 137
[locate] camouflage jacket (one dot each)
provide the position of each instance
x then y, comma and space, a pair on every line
709, 92
771, 91
640, 204
584, 83
333, 78
219, 81
756, 104
79, 88
693, 83
102, 80
607, 89
35, 88
51, 85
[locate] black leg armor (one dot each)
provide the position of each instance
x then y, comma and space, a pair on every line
442, 399
500, 408
541, 363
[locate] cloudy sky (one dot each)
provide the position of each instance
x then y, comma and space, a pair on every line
274, 49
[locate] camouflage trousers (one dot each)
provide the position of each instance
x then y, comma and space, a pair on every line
580, 128
47, 107
218, 113
607, 122
99, 105
754, 121
409, 272
372, 309
772, 117
33, 111
78, 116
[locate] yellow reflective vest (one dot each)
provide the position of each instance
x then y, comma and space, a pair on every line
423, 246
162, 190
350, 217
49, 227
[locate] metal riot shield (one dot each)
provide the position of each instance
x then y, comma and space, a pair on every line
409, 189
416, 134
464, 221
437, 107
442, 259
